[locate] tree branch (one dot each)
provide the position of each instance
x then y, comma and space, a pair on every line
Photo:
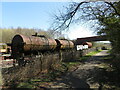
69, 17
109, 3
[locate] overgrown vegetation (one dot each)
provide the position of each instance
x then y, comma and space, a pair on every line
44, 79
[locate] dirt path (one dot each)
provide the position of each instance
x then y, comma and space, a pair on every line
88, 75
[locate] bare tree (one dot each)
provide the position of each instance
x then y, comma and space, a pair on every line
79, 12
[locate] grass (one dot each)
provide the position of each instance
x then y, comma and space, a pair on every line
106, 57
44, 78
93, 53
109, 51
89, 55
25, 85
48, 77
53, 74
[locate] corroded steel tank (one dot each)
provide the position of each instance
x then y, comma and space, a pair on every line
21, 43
65, 44
88, 43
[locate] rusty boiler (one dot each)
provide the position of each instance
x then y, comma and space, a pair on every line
21, 43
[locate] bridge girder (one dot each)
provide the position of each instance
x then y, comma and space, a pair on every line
91, 39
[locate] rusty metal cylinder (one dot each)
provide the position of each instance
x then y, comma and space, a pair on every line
22, 43
66, 44
88, 43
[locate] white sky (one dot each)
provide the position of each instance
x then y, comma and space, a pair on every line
80, 32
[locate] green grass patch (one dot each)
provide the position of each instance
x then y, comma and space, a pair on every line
70, 64
109, 51
106, 57
93, 53
84, 58
89, 55
25, 85
47, 79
